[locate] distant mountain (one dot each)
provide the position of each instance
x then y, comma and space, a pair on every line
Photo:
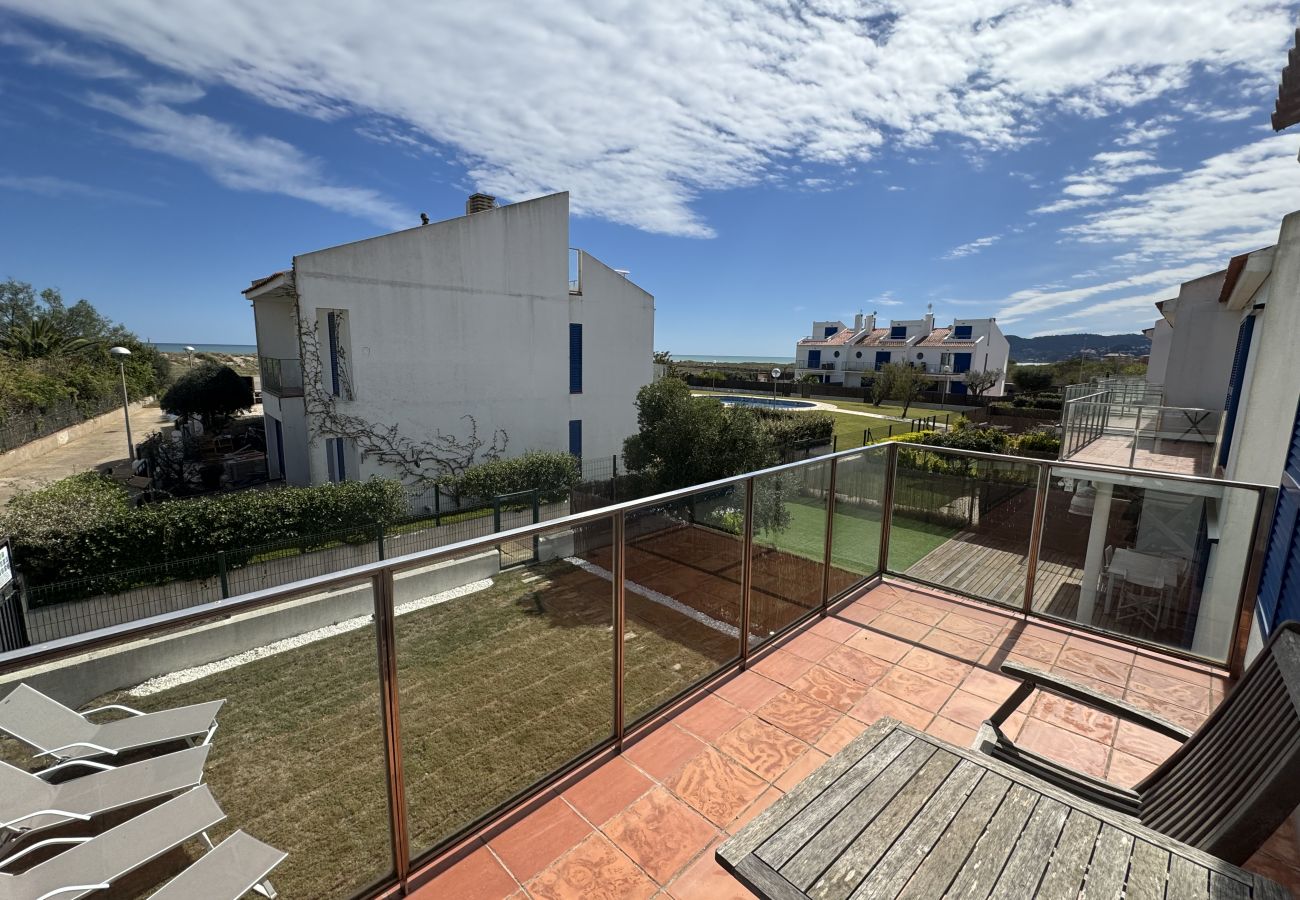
1056, 347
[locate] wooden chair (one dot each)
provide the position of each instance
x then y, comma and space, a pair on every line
1231, 783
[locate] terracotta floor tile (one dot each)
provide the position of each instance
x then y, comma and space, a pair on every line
840, 734
954, 733
706, 880
968, 709
936, 665
859, 614
968, 627
540, 838
1173, 690
861, 667
660, 833
762, 747
769, 796
709, 717
963, 648
1042, 652
607, 790
834, 629
1188, 673
1109, 670
1126, 770
782, 666
801, 769
1101, 648
810, 646
1097, 684
478, 876
881, 646
924, 613
717, 786
989, 685
594, 870
1170, 712
805, 718
900, 627
664, 750
915, 688
877, 704
1091, 723
1143, 743
1064, 746
831, 688
748, 690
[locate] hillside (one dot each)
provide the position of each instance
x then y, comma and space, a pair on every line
1056, 347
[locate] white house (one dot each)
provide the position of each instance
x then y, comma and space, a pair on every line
837, 354
485, 330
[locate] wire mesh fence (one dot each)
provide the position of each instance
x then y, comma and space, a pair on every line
21, 428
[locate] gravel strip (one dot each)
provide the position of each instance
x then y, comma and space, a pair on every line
656, 597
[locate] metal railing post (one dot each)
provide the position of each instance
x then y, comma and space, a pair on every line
620, 625
887, 506
221, 572
379, 539
537, 517
1137, 429
1036, 533
386, 642
830, 537
746, 572
496, 514
437, 506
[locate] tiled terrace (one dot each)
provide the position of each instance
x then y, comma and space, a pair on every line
646, 823
1159, 455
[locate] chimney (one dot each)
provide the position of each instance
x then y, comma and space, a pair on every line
929, 318
869, 322
857, 322
479, 203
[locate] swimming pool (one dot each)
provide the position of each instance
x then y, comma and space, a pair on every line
764, 402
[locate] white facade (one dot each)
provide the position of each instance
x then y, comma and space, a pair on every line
1203, 339
838, 354
1161, 336
465, 320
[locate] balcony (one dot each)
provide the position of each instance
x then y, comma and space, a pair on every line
281, 377
468, 726
1112, 430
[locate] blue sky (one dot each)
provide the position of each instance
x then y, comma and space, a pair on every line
1058, 166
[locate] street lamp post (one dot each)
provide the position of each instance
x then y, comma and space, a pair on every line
947, 373
122, 353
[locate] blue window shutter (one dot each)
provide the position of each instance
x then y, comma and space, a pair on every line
961, 333
898, 332
575, 437
961, 362
882, 358
332, 326
1235, 382
1279, 582
575, 358
814, 359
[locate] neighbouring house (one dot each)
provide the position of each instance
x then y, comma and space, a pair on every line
447, 340
1202, 333
837, 354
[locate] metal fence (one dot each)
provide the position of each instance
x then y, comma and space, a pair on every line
17, 429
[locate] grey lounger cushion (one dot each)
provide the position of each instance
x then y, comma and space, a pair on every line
227, 872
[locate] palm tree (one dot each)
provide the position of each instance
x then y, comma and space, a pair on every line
41, 338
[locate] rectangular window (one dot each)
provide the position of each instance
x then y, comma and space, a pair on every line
961, 332
898, 332
334, 459
575, 358
882, 359
814, 359
945, 359
332, 327
575, 437
829, 330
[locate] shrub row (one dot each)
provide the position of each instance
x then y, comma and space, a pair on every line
551, 474
788, 429
84, 526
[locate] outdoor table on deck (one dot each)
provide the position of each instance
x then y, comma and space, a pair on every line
898, 813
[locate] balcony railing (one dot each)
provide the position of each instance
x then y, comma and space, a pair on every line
1112, 430
281, 377
435, 689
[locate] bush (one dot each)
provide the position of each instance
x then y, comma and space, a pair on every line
1032, 378
210, 391
1043, 443
551, 474
788, 429
84, 526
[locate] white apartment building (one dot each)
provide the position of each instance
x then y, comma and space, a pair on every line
837, 354
375, 352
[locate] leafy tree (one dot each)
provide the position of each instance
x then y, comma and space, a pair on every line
810, 378
43, 337
663, 357
17, 302
1031, 379
684, 440
882, 386
209, 391
905, 383
979, 382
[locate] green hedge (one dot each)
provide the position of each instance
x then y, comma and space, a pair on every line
788, 429
551, 474
84, 526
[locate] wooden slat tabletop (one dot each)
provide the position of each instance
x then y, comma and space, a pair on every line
900, 814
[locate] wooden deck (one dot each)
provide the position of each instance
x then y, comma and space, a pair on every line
983, 566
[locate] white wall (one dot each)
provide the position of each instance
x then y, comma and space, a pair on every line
470, 317
1162, 338
1204, 340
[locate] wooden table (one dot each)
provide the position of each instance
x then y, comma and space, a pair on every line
898, 813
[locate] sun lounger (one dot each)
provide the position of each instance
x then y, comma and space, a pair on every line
62, 733
29, 804
231, 869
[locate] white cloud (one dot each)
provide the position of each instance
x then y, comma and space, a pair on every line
53, 186
1148, 132
1087, 188
972, 247
639, 109
56, 54
246, 162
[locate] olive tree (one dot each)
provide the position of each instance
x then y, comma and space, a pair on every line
211, 392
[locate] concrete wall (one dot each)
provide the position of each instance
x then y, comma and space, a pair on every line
1162, 338
77, 680
1204, 340
470, 317
41, 446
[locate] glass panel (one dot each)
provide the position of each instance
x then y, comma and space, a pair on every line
855, 541
1145, 557
298, 759
682, 594
963, 523
789, 546
504, 674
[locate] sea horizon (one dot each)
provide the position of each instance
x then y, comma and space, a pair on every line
707, 358
233, 349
